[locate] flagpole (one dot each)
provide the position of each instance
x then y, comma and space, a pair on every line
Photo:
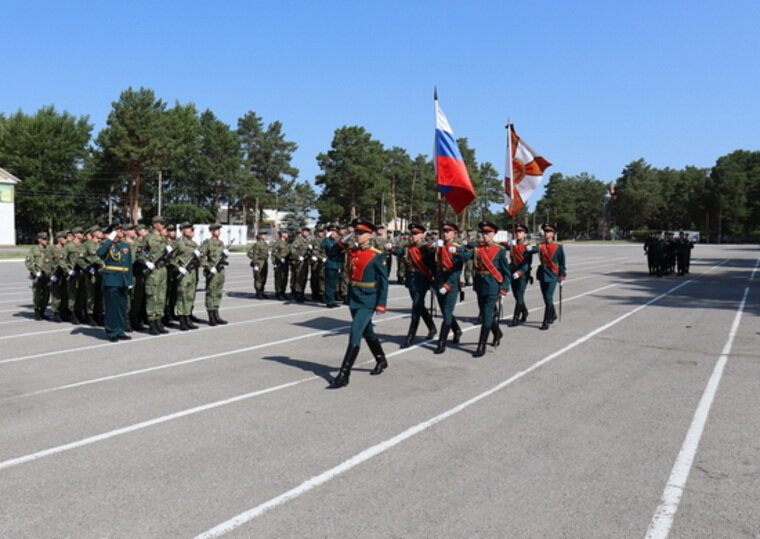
511, 175
439, 210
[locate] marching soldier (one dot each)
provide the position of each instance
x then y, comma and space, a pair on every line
551, 271
448, 269
521, 260
259, 255
280, 255
186, 258
491, 280
155, 251
332, 266
419, 264
299, 254
214, 259
368, 293
117, 278
683, 253
57, 271
38, 264
92, 278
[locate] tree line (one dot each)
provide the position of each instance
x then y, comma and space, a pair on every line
206, 166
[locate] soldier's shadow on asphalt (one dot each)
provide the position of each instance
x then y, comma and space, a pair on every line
249, 295
318, 369
97, 332
25, 314
323, 323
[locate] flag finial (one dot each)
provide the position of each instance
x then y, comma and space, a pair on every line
435, 93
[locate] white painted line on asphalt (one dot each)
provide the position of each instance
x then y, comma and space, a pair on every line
324, 477
144, 424
659, 527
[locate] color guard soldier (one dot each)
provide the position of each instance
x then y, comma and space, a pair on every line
368, 293
186, 258
448, 268
419, 263
280, 256
259, 256
551, 271
491, 281
521, 259
214, 256
38, 264
117, 278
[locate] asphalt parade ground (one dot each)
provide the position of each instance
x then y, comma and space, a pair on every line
635, 415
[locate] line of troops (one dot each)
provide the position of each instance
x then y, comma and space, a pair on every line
157, 270
667, 253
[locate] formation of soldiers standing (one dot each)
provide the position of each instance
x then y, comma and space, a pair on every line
68, 274
667, 253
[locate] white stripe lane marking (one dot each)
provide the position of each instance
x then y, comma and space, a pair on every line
324, 477
144, 424
662, 521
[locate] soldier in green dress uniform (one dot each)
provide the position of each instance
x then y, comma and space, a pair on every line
213, 260
419, 264
117, 278
281, 263
491, 282
368, 292
449, 261
38, 265
333, 262
521, 259
551, 271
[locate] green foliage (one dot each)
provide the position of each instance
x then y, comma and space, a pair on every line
187, 212
46, 151
574, 203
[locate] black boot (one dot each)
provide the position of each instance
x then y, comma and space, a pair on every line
90, 320
515, 317
457, 330
74, 320
441, 348
166, 320
194, 318
429, 323
377, 351
153, 327
481, 350
412, 333
545, 323
37, 315
211, 318
552, 314
160, 326
524, 315
183, 323
128, 326
189, 323
345, 369
57, 317
497, 333
219, 319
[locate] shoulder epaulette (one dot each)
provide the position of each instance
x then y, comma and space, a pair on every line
376, 250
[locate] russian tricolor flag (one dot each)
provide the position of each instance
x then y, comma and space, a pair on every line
450, 170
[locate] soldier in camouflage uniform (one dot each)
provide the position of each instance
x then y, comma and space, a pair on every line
401, 267
57, 272
185, 258
155, 251
317, 261
38, 265
259, 255
343, 277
137, 308
214, 259
280, 256
93, 282
468, 238
299, 255
76, 262
171, 279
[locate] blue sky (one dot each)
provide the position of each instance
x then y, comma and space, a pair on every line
591, 86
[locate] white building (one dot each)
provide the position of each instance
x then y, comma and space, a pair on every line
7, 208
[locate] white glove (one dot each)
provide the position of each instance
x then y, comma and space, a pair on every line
438, 243
310, 247
197, 253
54, 278
214, 271
255, 268
91, 271
151, 265
442, 291
300, 259
516, 275
347, 238
511, 243
324, 260
112, 235
561, 283
182, 270
282, 261
38, 274
168, 249
452, 250
226, 252
388, 246
72, 273
314, 258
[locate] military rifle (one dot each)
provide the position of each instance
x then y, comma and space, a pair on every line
191, 263
222, 260
166, 252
